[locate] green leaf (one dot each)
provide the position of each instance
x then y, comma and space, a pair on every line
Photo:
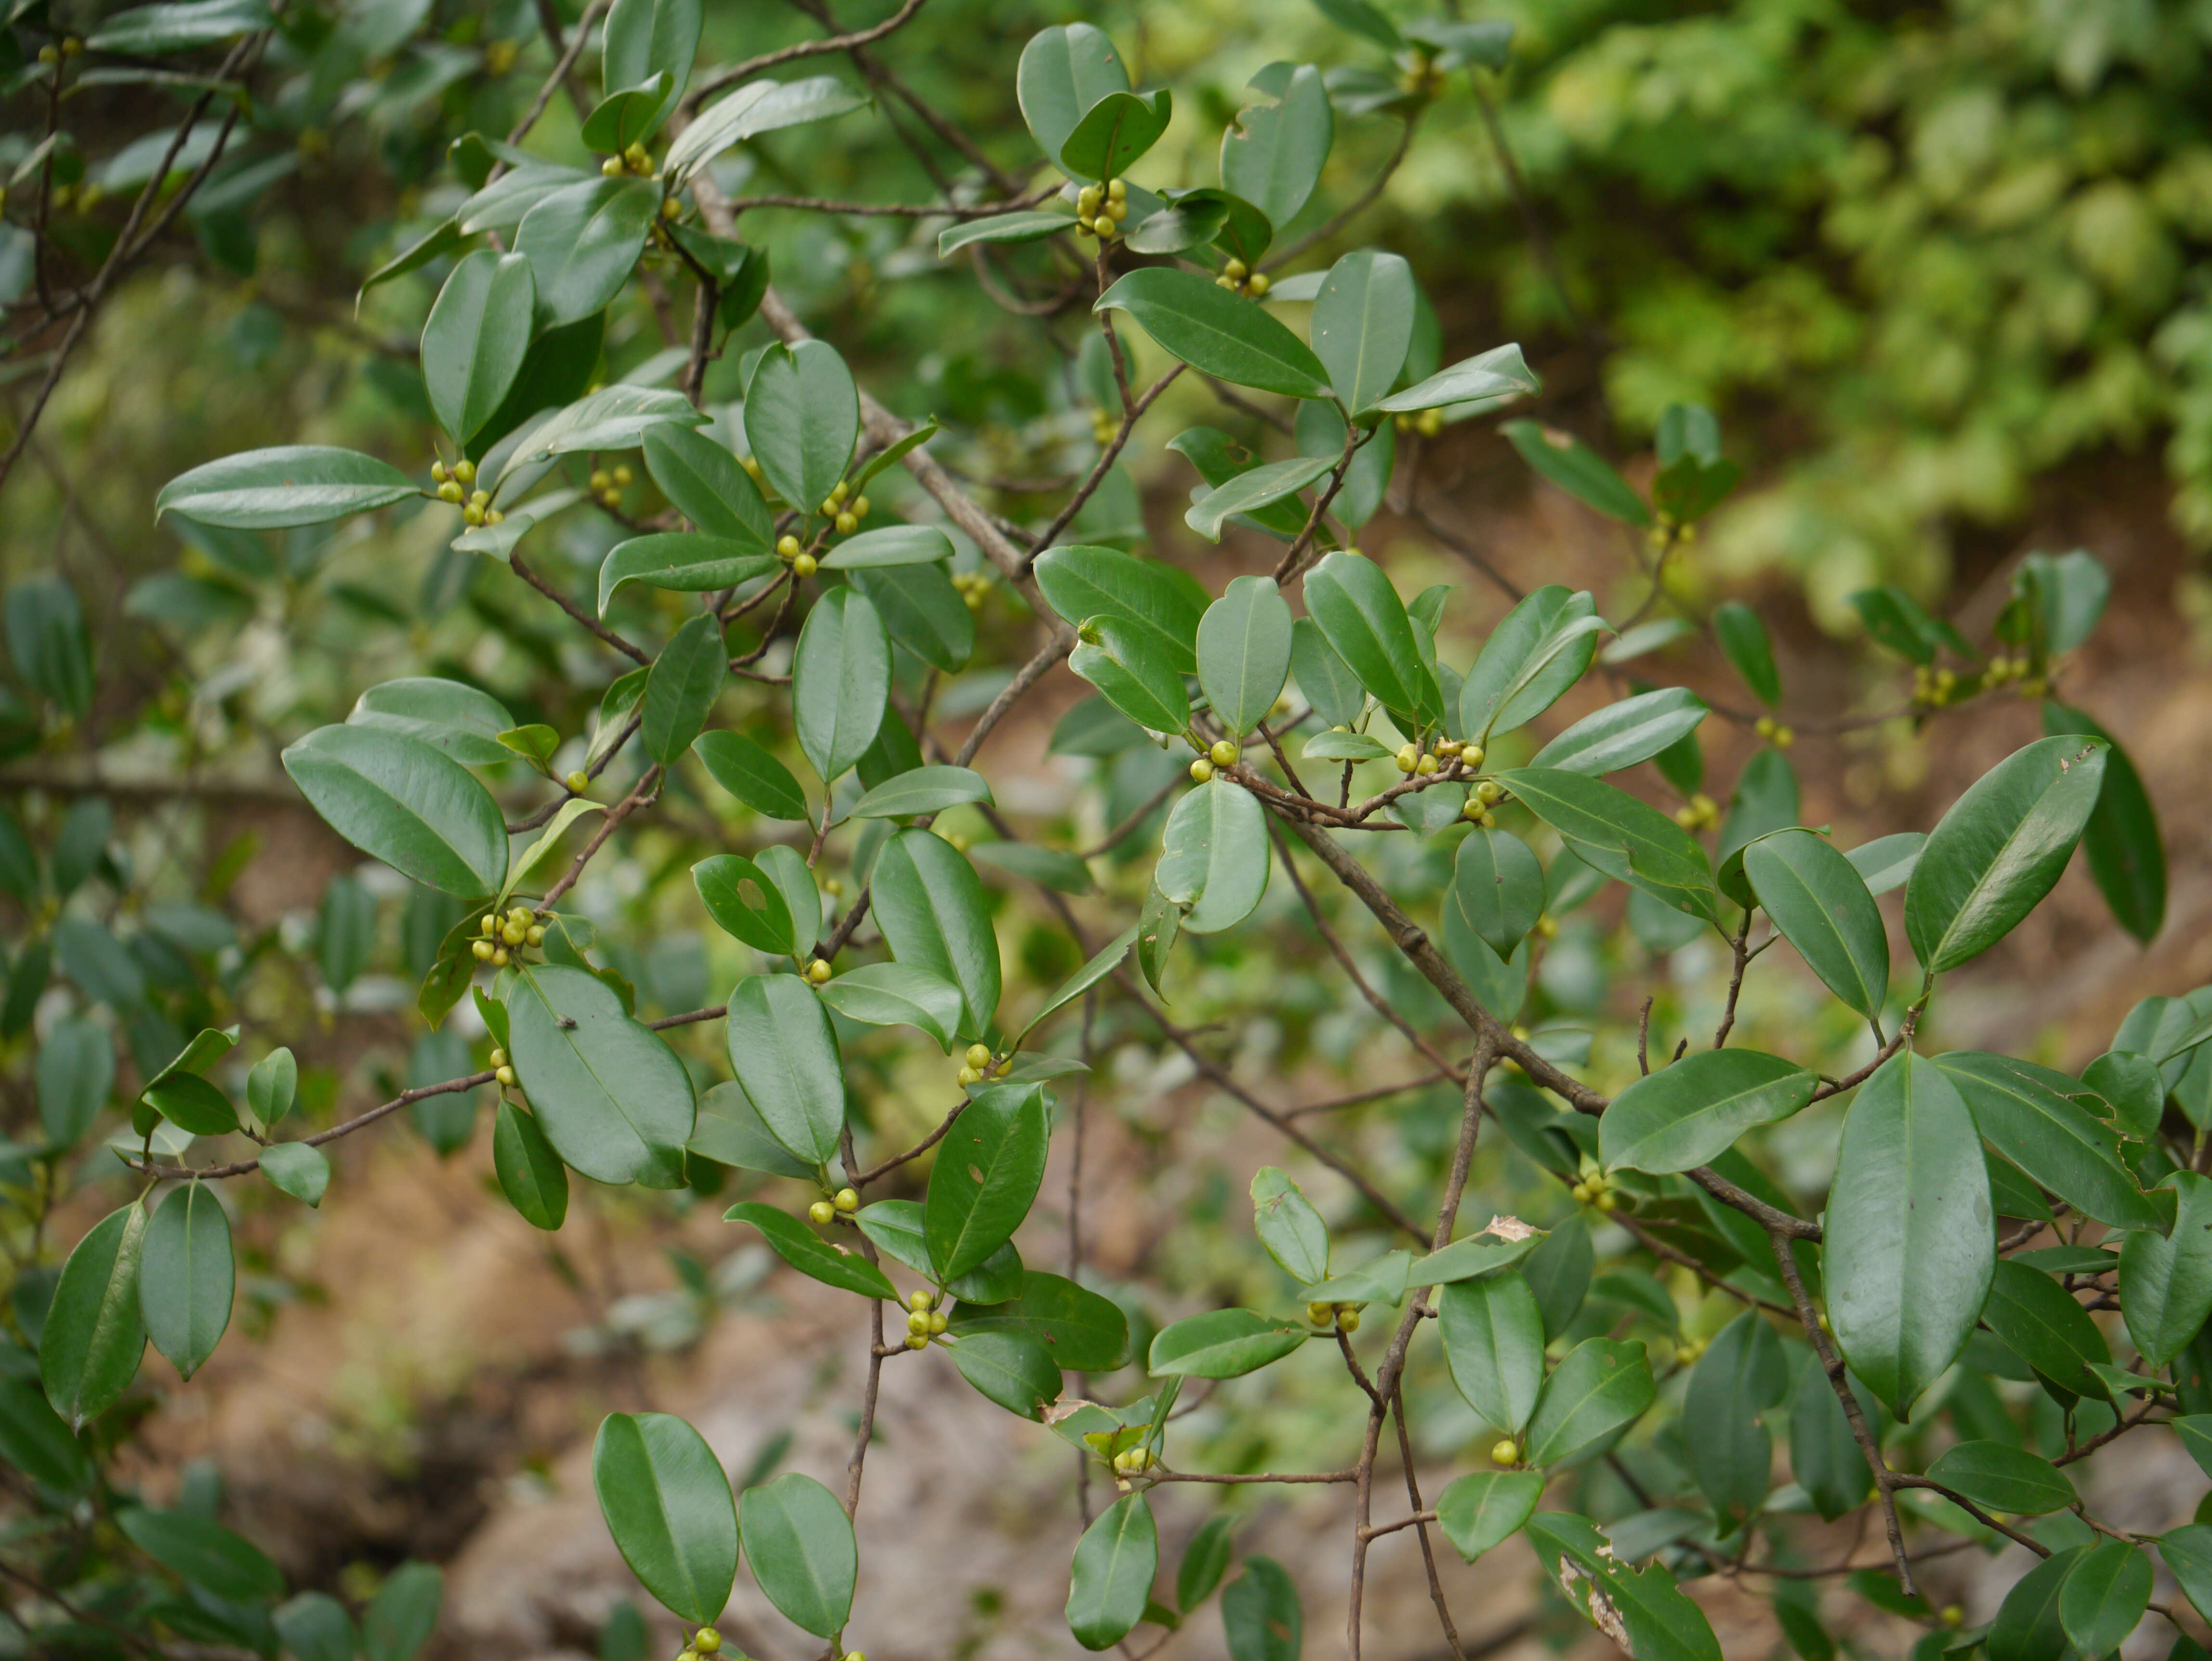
681, 560
922, 790
756, 107
2028, 1626
1472, 1258
680, 688
730, 1131
1063, 73
2027, 1113
646, 39
204, 1553
1998, 1476
399, 1621
1224, 1343
785, 1054
1499, 887
1075, 1327
1487, 1508
1260, 1617
1214, 856
458, 720
1011, 1368
75, 1073
800, 1546
896, 994
1601, 1386
890, 548
1220, 459
530, 1172
2105, 1595
1102, 963
802, 417
1273, 155
895, 1226
1217, 333
1538, 651
1743, 642
2067, 593
1999, 850
841, 681
740, 898
178, 25
2121, 839
1496, 375
1136, 673
924, 612
1205, 1561
582, 242
1643, 1611
626, 117
534, 857
1368, 23
931, 911
1002, 229
1244, 652
751, 775
1493, 1340
1114, 132
1613, 833
1324, 678
94, 1334
1820, 904
1577, 469
810, 1254
2165, 1281
1110, 1580
1908, 1251
1888, 862
475, 338
186, 1276
1621, 734
1250, 491
703, 482
986, 1174
608, 1092
1687, 1114
1363, 322
1351, 601
614, 417
2038, 1319
1144, 595
396, 799
1741, 1375
2187, 1554
1289, 1226
315, 1627
298, 1170
291, 484
667, 1504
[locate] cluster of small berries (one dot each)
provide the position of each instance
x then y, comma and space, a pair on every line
843, 510
843, 1203
1103, 426
504, 937
1700, 813
979, 1064
1486, 795
924, 1320
971, 586
704, 1642
632, 160
1239, 279
453, 483
1778, 733
1667, 530
503, 1068
1935, 687
1688, 1350
1222, 752
1100, 213
608, 484
1413, 759
793, 552
1345, 1317
70, 46
1132, 1462
1428, 423
1594, 1189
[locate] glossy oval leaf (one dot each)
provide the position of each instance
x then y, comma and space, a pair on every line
703, 482
841, 681
1224, 1343
1085, 584
1290, 1227
1010, 1368
1820, 904
291, 484
986, 1178
897, 994
680, 688
1601, 1386
1538, 651
1493, 1340
1498, 884
1999, 1476
1363, 322
2028, 1114
1214, 856
609, 1093
1217, 333
2105, 1595
802, 417
400, 800
1350, 600
798, 1544
810, 1254
1244, 652
668, 1506
186, 1276
682, 561
2165, 1280
741, 899
785, 1054
1688, 1113
1621, 734
1273, 155
751, 774
1075, 1327
1063, 72
1487, 1508
922, 790
94, 1334
474, 340
582, 242
530, 1172
1110, 1580
930, 909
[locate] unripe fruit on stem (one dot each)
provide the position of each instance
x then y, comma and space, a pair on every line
788, 546
635, 156
578, 781
466, 470
845, 1199
966, 1076
671, 208
499, 1058
484, 950
472, 515
804, 566
1320, 1314
1118, 211
1348, 1322
1256, 284
918, 1322
499, 958
1116, 189
822, 1213
504, 1074
1201, 769
937, 1322
534, 935
859, 506
1086, 200
612, 166
1236, 270
846, 524
1407, 757
601, 478
817, 971
1225, 752
1505, 1453
830, 505
707, 1641
449, 492
1487, 791
915, 1340
437, 472
919, 1300
979, 1056
624, 477
1471, 754
1426, 766
479, 498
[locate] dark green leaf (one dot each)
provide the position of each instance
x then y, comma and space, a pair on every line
1363, 322
178, 25
756, 107
1613, 833
1499, 887
682, 687
2105, 1595
607, 1091
2028, 1114
1205, 1561
1744, 642
1100, 584
204, 1553
1249, 492
785, 1053
986, 1174
475, 338
1537, 650
582, 242
1289, 1226
1135, 672
1260, 1617
1217, 333
751, 775
841, 681
186, 1276
2000, 850
1621, 734
1601, 1386
810, 1254
1643, 1611
2040, 1323
94, 1336
1224, 1343
1485, 1509
530, 1172
799, 1545
459, 720
1577, 469
1350, 600
1077, 1329
1110, 1580
1741, 1375
399, 1619
924, 612
298, 1170
704, 483
2001, 1477
396, 799
1004, 228
1214, 856
646, 39
291, 484
1687, 1114
2028, 1626
1063, 72
923, 790
1493, 1340
1820, 905
2121, 839
2165, 1281
895, 993
745, 903
802, 417
1273, 155
667, 1504
933, 913
1496, 376
1114, 132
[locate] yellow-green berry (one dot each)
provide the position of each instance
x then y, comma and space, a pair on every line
804, 566
846, 1200
578, 781
1201, 769
1223, 752
822, 1213
1505, 1453
818, 972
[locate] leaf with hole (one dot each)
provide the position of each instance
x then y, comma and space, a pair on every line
986, 1174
